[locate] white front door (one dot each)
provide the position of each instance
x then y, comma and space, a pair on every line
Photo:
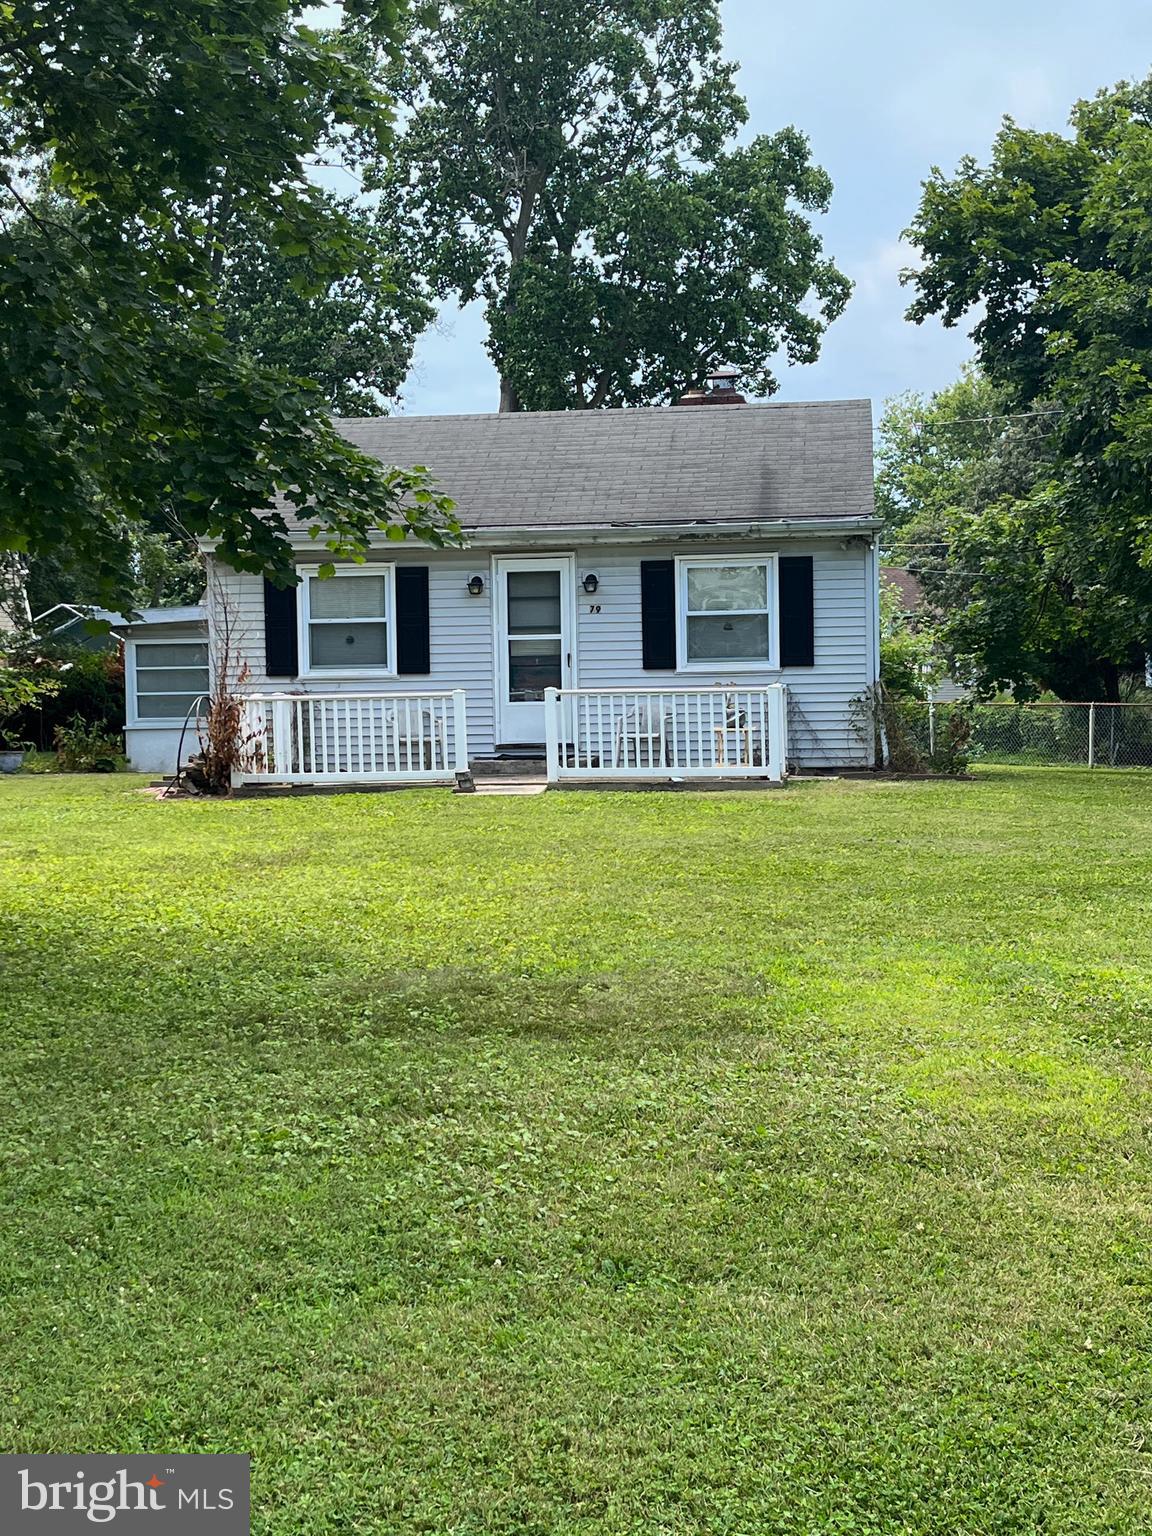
534, 625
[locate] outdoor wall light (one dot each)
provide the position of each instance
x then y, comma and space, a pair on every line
476, 585
591, 583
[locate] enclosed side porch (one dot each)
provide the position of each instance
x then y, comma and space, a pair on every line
591, 735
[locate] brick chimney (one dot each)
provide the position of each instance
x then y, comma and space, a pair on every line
720, 389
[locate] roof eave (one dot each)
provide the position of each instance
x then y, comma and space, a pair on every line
624, 533
661, 533
189, 613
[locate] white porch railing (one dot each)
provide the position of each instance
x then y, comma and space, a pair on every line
667, 733
362, 738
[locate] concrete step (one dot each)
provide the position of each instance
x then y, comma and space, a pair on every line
510, 786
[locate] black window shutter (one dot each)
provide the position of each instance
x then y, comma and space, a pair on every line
413, 633
280, 644
797, 612
658, 614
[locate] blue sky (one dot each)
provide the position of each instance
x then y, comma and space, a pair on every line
884, 91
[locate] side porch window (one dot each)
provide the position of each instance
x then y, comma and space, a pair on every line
170, 675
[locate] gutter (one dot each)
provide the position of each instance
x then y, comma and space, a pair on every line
703, 529
873, 613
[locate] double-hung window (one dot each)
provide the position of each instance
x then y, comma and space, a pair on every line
347, 622
170, 675
727, 613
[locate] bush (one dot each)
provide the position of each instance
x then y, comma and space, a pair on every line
908, 735
89, 687
907, 665
85, 748
952, 749
19, 694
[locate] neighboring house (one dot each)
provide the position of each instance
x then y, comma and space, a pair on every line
699, 585
909, 594
68, 623
911, 604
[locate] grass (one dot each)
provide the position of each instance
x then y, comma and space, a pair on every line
602, 1164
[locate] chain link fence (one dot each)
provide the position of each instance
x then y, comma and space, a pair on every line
1038, 735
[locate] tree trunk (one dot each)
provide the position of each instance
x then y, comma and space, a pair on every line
517, 248
217, 228
14, 602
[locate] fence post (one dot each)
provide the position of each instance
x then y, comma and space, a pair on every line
552, 732
777, 733
459, 731
243, 731
278, 717
931, 727
1092, 735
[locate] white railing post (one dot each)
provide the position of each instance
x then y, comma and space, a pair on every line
715, 732
1092, 735
552, 732
279, 758
784, 742
236, 775
777, 754
243, 743
460, 730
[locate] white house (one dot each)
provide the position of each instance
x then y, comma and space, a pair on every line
671, 593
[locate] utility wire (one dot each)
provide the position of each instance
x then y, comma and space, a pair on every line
921, 425
333, 165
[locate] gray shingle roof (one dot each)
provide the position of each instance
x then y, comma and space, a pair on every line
908, 589
650, 465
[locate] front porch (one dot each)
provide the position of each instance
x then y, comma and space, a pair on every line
591, 736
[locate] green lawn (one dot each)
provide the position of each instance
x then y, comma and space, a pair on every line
628, 1165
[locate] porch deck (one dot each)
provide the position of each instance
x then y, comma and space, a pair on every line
650, 735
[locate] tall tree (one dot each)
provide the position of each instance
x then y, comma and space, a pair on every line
352, 335
1049, 251
570, 162
351, 338
972, 492
119, 391
927, 450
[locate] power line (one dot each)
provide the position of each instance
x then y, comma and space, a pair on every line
333, 165
919, 425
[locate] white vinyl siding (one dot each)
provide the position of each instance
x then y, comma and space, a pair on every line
347, 622
460, 634
607, 651
822, 714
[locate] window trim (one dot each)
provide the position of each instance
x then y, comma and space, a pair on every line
685, 563
305, 621
132, 718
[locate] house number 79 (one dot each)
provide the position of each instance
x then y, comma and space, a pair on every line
593, 607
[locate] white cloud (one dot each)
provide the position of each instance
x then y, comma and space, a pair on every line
451, 372
877, 276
